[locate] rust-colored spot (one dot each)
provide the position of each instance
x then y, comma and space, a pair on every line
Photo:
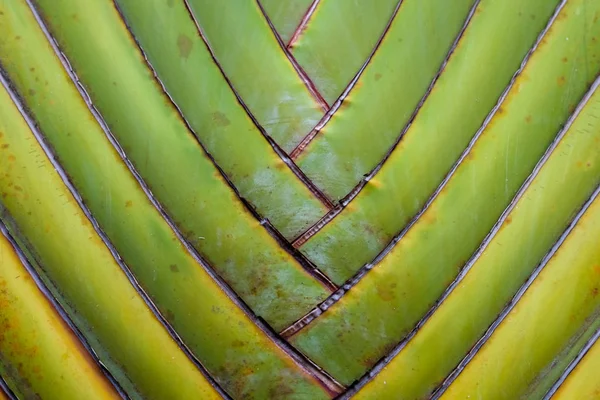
4, 145
32, 69
508, 220
597, 268
174, 268
128, 203
220, 119
378, 76
18, 37
561, 80
12, 158
169, 316
18, 188
500, 111
528, 119
595, 292
564, 59
386, 291
184, 44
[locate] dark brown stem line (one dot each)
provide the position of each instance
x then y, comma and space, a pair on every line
67, 181
278, 150
298, 256
302, 25
44, 288
350, 283
572, 365
6, 390
338, 103
310, 85
314, 229
304, 363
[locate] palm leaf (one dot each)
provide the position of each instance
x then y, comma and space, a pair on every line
304, 199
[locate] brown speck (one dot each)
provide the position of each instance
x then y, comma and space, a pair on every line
18, 37
185, 46
18, 188
528, 119
128, 203
31, 92
32, 69
564, 59
508, 220
561, 80
377, 76
4, 145
174, 268
220, 119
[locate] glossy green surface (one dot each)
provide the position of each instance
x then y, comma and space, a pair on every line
35, 365
193, 80
499, 35
286, 15
338, 39
352, 336
563, 184
75, 263
258, 68
582, 382
376, 110
162, 266
204, 208
555, 311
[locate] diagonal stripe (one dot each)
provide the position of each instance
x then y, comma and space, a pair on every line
152, 250
535, 345
227, 132
287, 15
305, 78
339, 38
191, 183
455, 323
38, 367
258, 68
410, 278
579, 380
416, 171
372, 116
79, 265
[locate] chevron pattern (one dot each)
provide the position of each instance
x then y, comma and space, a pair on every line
303, 199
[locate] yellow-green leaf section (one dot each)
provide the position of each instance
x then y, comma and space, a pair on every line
40, 357
583, 383
79, 269
541, 213
338, 39
180, 175
195, 83
374, 113
557, 308
350, 337
160, 263
499, 35
286, 15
